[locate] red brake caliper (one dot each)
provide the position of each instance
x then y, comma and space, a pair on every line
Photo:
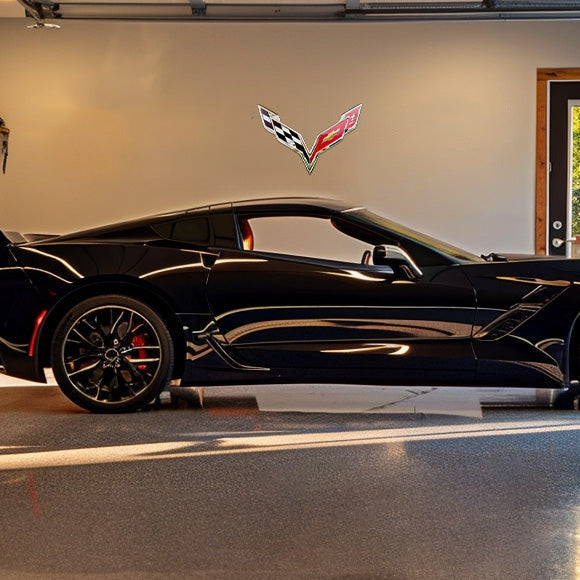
141, 353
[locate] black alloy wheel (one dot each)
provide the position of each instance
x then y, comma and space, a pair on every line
112, 354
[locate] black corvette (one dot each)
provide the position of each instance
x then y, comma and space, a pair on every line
334, 294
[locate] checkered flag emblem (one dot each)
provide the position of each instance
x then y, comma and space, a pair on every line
293, 140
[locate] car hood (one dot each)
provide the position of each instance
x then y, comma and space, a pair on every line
510, 257
528, 257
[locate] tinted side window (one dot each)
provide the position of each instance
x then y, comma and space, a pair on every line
131, 235
194, 230
164, 229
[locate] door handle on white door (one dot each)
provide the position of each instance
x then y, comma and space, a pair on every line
559, 242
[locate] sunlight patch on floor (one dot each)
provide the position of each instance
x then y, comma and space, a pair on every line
363, 399
259, 443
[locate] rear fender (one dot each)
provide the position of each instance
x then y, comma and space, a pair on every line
152, 297
20, 307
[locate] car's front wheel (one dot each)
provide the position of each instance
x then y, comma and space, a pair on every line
112, 354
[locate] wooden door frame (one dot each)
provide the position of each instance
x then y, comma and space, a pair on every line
544, 76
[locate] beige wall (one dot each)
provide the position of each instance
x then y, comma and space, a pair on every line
115, 120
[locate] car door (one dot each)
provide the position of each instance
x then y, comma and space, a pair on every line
285, 312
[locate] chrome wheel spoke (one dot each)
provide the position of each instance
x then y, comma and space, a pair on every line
144, 354
130, 373
132, 332
85, 369
106, 386
85, 340
115, 325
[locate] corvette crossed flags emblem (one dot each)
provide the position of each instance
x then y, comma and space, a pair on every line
293, 140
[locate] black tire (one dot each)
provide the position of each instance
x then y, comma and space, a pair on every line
112, 354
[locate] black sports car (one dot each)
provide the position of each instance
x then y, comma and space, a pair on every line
279, 291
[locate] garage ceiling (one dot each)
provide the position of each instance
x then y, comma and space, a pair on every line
44, 11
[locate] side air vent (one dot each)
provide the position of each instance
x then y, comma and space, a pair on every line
507, 322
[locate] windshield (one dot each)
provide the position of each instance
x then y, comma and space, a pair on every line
423, 239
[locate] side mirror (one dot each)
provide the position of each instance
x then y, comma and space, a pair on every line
396, 257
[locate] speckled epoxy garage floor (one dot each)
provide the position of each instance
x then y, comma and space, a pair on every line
232, 492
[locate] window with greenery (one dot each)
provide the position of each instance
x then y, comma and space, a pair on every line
575, 170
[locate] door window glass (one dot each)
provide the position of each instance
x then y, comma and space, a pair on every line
305, 236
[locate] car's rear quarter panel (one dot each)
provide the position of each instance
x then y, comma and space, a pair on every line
60, 275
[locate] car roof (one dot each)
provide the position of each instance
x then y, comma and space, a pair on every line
263, 206
298, 204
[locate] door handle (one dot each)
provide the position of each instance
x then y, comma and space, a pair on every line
559, 242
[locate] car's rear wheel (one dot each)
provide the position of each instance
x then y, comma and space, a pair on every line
112, 354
